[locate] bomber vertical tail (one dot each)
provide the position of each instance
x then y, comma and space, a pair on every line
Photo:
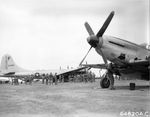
8, 65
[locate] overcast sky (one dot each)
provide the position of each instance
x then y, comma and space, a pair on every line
47, 34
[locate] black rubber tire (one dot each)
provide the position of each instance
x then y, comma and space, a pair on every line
105, 82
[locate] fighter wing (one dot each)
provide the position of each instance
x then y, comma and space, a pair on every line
72, 71
98, 66
6, 75
140, 63
142, 66
135, 64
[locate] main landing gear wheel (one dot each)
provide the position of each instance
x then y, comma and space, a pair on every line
105, 82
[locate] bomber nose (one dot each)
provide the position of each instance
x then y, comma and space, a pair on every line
93, 40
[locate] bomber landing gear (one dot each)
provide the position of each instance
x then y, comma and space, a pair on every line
107, 81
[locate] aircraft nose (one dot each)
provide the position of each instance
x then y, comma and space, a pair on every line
93, 40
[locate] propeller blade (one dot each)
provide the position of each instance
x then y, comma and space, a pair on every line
105, 25
85, 56
89, 29
103, 56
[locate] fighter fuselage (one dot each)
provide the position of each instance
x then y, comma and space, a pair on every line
120, 51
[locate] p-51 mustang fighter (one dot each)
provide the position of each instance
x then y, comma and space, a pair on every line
125, 57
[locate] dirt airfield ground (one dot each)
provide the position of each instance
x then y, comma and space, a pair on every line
74, 100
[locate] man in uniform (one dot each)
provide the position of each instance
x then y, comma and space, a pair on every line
62, 77
55, 77
46, 78
43, 78
31, 79
51, 79
12, 81
16, 80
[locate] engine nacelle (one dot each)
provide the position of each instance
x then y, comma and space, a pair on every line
37, 75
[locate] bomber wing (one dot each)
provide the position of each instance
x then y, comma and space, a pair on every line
72, 71
98, 66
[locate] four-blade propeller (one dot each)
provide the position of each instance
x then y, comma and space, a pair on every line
94, 40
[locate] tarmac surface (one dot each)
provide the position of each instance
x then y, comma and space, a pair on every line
75, 100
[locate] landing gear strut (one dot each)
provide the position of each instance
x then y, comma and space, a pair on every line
107, 81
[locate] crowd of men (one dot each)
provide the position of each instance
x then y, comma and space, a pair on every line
50, 79
88, 77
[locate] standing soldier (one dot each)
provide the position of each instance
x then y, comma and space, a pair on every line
85, 78
31, 79
90, 77
25, 79
59, 77
12, 81
74, 78
43, 78
51, 79
55, 77
82, 77
16, 81
62, 78
93, 77
69, 78
46, 78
